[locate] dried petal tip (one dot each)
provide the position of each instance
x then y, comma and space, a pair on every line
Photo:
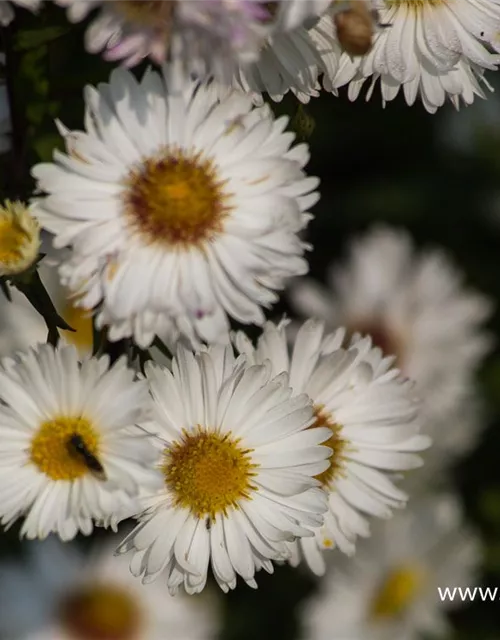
19, 238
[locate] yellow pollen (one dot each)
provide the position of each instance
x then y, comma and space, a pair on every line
176, 200
50, 451
19, 238
79, 319
156, 14
101, 612
398, 590
336, 444
208, 472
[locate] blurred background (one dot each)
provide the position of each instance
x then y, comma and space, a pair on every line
435, 178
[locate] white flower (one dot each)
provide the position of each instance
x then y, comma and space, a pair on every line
390, 589
70, 451
60, 594
179, 207
415, 306
292, 61
130, 31
238, 462
370, 412
7, 12
435, 50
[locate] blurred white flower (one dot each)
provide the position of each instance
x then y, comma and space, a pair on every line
7, 12
432, 50
370, 412
210, 37
389, 590
292, 61
58, 593
415, 306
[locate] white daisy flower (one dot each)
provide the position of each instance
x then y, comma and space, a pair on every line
414, 305
370, 413
238, 462
180, 207
70, 451
434, 50
292, 61
131, 30
390, 588
58, 593
7, 11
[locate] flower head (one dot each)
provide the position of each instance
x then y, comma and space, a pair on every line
73, 454
432, 49
196, 206
370, 413
414, 305
238, 462
7, 12
19, 238
58, 593
390, 588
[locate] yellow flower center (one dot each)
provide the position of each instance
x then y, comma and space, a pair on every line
176, 200
52, 452
102, 612
336, 444
19, 238
398, 590
156, 14
80, 320
208, 472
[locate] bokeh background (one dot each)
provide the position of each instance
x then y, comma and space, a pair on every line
436, 176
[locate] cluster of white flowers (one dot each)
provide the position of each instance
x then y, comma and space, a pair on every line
177, 210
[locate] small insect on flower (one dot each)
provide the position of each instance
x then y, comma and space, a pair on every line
78, 449
356, 27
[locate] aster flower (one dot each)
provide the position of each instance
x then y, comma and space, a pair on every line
238, 462
58, 593
180, 207
414, 305
432, 50
70, 451
19, 238
131, 30
390, 588
370, 412
7, 12
292, 61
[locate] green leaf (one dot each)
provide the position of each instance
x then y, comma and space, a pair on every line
34, 38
